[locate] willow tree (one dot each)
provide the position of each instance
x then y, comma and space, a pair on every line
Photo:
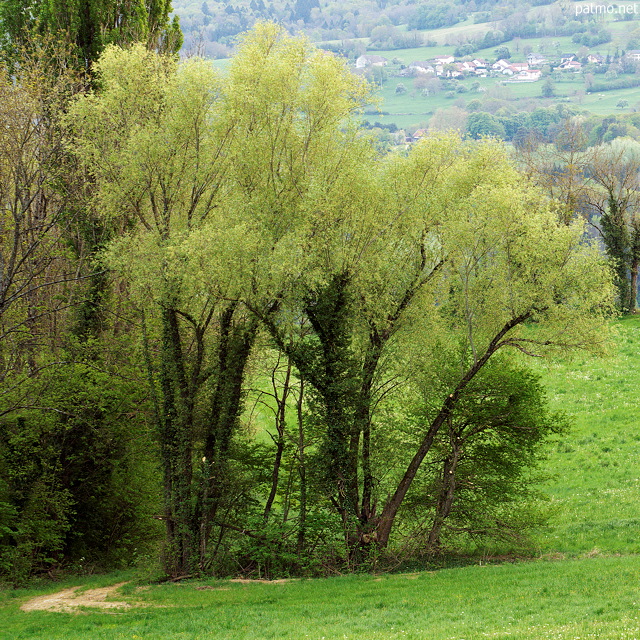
403, 260
153, 144
213, 177
255, 198
514, 278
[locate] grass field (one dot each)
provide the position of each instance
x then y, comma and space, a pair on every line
586, 598
597, 487
412, 109
585, 583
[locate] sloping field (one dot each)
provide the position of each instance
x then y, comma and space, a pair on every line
570, 599
585, 584
597, 465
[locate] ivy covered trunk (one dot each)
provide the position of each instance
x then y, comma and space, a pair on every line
236, 338
176, 440
617, 243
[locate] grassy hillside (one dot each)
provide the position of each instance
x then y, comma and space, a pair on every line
585, 584
355, 28
597, 466
588, 598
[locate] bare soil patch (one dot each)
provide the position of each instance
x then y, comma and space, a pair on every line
209, 588
248, 581
67, 600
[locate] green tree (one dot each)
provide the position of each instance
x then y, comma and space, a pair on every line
496, 284
502, 53
560, 168
79, 472
207, 208
90, 24
487, 452
614, 193
37, 268
241, 202
165, 182
548, 88
482, 124
358, 310
302, 9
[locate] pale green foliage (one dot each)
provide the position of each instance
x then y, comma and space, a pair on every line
257, 187
150, 138
507, 256
292, 167
218, 170
622, 150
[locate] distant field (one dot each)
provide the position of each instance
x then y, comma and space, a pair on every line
413, 109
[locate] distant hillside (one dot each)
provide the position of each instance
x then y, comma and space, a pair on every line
210, 26
604, 78
355, 26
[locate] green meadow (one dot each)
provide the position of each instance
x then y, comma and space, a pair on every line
583, 581
587, 598
597, 465
413, 109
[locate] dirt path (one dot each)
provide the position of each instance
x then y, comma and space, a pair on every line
67, 600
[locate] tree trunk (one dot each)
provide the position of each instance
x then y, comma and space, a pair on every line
176, 447
633, 299
280, 429
234, 347
302, 472
447, 492
388, 515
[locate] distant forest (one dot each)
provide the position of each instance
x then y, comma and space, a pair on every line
210, 27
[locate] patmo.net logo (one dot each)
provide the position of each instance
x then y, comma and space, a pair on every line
600, 9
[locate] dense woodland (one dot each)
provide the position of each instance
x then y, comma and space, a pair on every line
237, 337
210, 27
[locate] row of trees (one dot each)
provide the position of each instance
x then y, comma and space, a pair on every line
236, 241
77, 478
601, 183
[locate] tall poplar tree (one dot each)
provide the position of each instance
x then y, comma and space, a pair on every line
90, 24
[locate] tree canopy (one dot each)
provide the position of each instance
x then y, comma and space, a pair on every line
90, 24
380, 307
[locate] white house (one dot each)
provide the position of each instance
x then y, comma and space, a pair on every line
421, 68
535, 59
529, 75
570, 65
371, 61
500, 65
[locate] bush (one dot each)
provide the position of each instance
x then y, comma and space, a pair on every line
79, 481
